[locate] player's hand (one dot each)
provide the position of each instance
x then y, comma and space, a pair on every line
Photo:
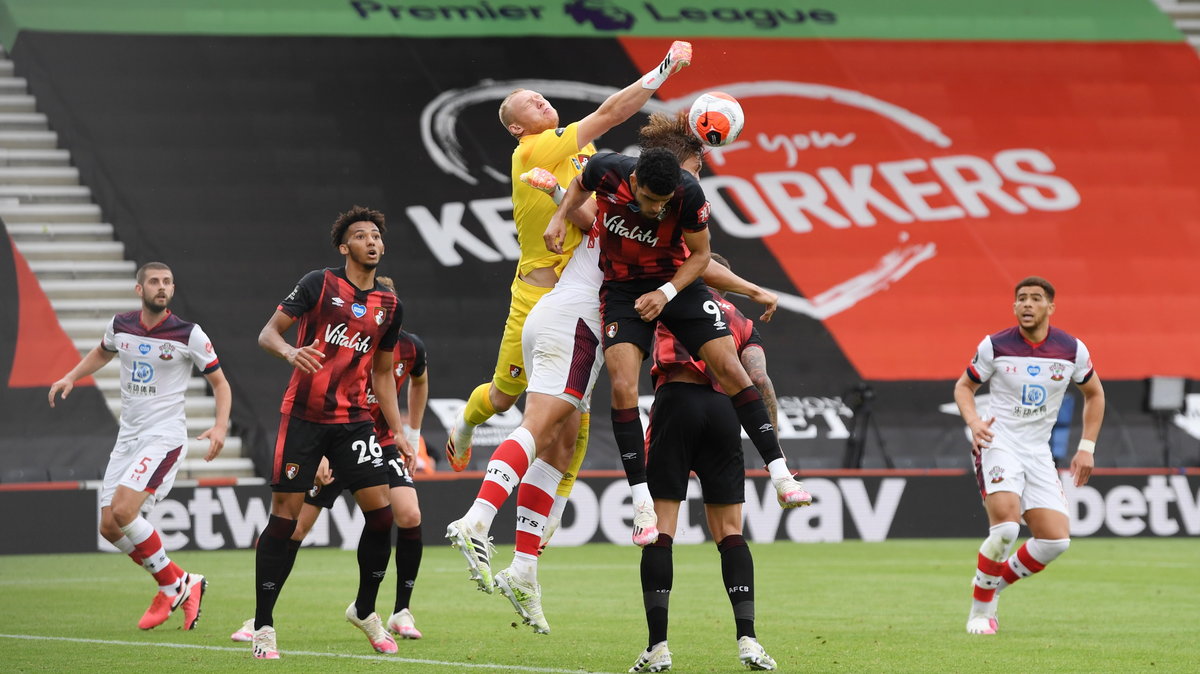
650, 305
63, 385
981, 435
216, 441
408, 454
555, 233
769, 300
306, 358
1081, 467
540, 179
324, 473
678, 57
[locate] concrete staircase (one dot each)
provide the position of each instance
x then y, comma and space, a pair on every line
1186, 15
82, 269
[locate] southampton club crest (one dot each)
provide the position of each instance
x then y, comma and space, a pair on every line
1056, 371
997, 474
166, 351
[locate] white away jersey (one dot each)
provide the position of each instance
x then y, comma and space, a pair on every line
156, 364
581, 278
1028, 384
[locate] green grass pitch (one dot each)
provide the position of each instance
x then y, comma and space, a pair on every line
1108, 605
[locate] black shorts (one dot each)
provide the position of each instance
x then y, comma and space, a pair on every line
694, 317
354, 455
398, 476
694, 428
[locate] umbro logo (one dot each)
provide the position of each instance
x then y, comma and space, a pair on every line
337, 301
628, 455
765, 428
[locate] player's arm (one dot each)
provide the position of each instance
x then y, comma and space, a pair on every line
383, 382
718, 276
220, 428
270, 338
95, 359
556, 230
964, 397
418, 397
1093, 415
650, 305
754, 359
623, 104
544, 181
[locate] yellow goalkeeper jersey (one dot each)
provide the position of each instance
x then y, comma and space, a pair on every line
557, 151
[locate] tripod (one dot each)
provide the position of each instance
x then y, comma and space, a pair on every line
861, 400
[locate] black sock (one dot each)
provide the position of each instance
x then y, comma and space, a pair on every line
374, 551
272, 563
631, 443
658, 574
752, 415
408, 562
737, 570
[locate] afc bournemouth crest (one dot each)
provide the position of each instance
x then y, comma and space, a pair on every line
291, 470
1056, 371
514, 371
997, 474
380, 314
610, 330
166, 351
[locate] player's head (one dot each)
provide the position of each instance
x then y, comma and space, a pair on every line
671, 133
386, 282
358, 235
525, 112
156, 286
1033, 302
654, 180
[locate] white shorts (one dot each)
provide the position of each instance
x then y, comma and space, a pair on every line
144, 464
561, 346
1034, 478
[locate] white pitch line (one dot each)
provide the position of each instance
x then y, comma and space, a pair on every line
244, 649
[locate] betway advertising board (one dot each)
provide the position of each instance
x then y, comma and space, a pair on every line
845, 506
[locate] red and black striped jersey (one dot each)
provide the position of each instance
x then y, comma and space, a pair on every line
670, 355
350, 325
634, 246
410, 361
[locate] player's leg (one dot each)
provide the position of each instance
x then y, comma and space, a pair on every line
1001, 481
407, 512
623, 361
469, 534
578, 452
1044, 508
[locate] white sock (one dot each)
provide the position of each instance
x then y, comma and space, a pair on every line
641, 494
779, 469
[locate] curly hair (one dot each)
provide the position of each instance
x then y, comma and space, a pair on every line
670, 133
658, 171
1036, 281
355, 214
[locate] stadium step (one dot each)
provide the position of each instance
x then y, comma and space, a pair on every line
18, 212
28, 140
47, 194
102, 307
74, 269
40, 175
13, 85
85, 328
195, 466
98, 289
71, 250
6, 67
60, 231
20, 121
195, 407
34, 156
17, 103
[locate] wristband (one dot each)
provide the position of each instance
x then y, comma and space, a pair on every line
1088, 446
413, 436
669, 290
655, 78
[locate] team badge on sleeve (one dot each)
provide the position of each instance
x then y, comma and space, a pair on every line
703, 213
514, 371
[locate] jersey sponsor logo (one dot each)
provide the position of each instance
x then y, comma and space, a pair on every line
380, 315
514, 371
337, 301
141, 372
143, 349
616, 225
1056, 371
292, 295
336, 334
166, 351
1034, 370
358, 310
610, 330
703, 213
1033, 395
997, 474
291, 470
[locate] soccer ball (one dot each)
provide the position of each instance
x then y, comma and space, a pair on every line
716, 118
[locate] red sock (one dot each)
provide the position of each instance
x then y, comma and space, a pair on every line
535, 498
505, 470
